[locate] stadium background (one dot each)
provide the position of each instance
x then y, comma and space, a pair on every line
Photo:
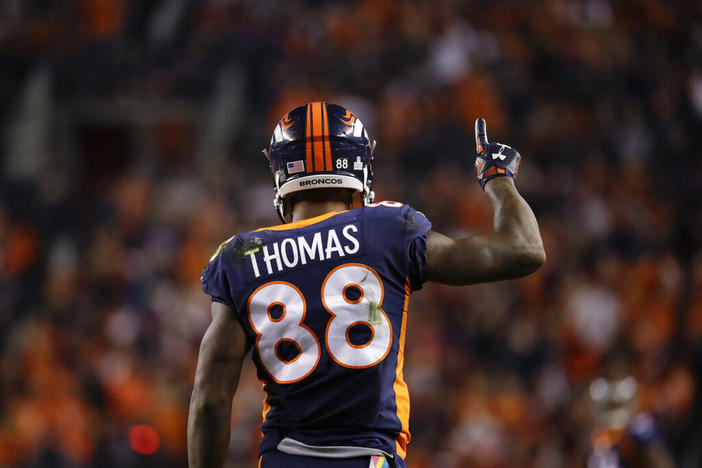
131, 137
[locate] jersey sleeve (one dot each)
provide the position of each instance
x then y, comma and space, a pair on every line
215, 279
416, 227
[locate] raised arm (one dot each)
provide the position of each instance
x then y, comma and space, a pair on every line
218, 369
514, 248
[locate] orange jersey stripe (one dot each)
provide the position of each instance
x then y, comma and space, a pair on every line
266, 409
266, 406
326, 142
401, 393
308, 134
301, 223
317, 136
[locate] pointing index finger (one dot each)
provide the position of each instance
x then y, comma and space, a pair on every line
481, 140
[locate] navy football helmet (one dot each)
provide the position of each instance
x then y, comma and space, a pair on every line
320, 145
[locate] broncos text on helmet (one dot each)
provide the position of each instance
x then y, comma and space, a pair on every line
320, 145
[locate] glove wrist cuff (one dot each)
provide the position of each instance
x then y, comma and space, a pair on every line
495, 172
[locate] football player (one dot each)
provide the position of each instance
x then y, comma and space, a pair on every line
322, 298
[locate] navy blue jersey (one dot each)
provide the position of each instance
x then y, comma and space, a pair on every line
324, 301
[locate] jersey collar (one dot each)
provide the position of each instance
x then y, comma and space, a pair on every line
301, 223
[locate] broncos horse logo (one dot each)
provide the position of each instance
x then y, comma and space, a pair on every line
287, 121
348, 119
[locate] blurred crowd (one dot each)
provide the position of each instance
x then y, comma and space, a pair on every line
131, 137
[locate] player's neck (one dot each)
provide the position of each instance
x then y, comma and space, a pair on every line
309, 209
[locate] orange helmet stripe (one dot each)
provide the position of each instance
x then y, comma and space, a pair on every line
325, 142
318, 136
308, 135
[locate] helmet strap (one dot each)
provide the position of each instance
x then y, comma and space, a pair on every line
278, 202
367, 195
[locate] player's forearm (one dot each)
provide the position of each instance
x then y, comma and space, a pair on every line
218, 369
208, 430
513, 250
515, 221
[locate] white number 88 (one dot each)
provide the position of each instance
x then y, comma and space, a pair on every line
347, 312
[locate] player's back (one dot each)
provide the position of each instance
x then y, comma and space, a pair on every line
324, 301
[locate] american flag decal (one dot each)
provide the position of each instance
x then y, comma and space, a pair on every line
296, 166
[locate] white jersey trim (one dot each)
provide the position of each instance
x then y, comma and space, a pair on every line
295, 447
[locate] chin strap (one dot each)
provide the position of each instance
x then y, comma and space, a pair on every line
367, 195
278, 203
